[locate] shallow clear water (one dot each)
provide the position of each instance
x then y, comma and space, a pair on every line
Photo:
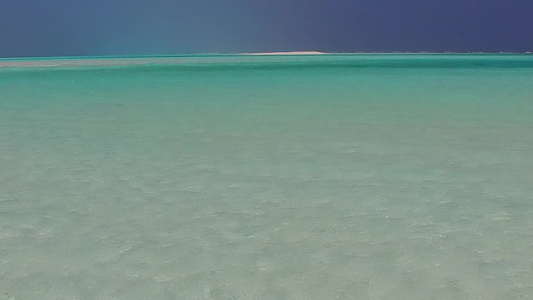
235, 177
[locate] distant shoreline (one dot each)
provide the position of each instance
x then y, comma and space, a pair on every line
286, 53
116, 61
310, 52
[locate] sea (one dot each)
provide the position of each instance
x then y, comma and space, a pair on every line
342, 176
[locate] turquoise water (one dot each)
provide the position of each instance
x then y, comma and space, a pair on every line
287, 177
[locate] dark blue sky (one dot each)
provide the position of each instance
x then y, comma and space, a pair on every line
130, 27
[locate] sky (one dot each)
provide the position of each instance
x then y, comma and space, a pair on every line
153, 27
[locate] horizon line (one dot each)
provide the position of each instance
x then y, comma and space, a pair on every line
302, 52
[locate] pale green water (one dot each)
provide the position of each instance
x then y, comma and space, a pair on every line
232, 177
